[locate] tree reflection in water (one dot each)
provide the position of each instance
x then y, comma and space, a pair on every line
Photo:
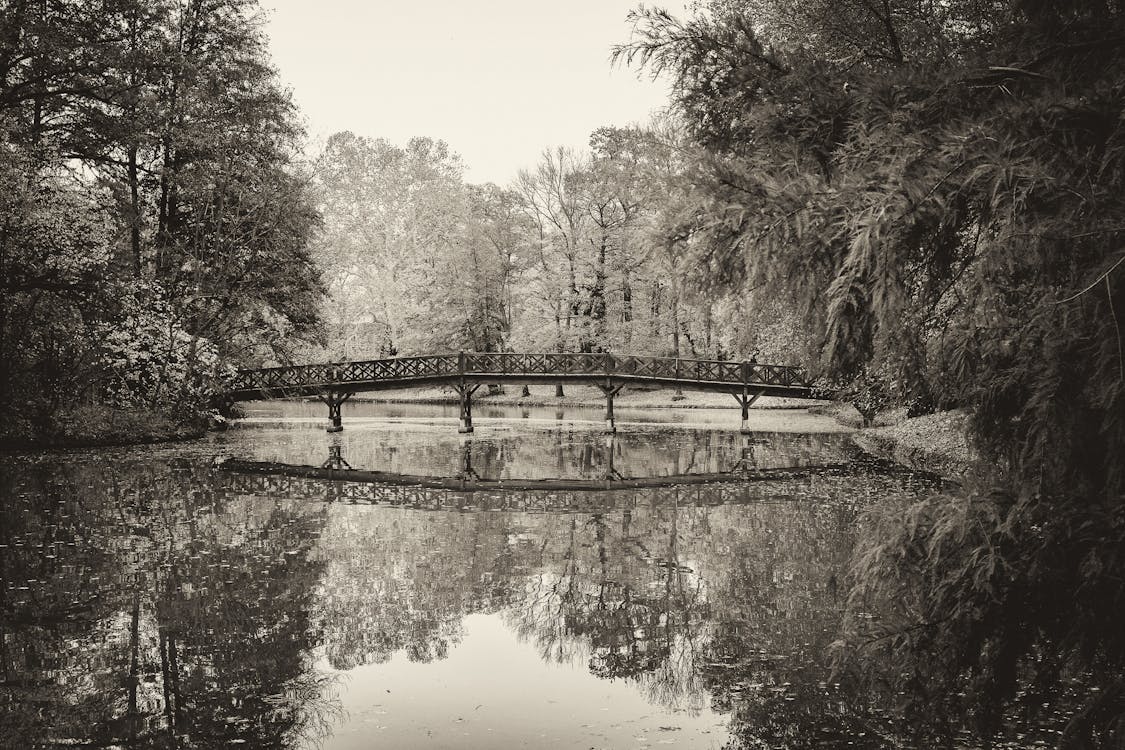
732, 606
563, 451
144, 608
158, 603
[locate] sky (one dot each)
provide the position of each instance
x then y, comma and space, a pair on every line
498, 80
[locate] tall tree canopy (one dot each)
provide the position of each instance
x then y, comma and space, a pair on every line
156, 222
938, 189
418, 261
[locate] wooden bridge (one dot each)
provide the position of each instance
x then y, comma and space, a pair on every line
334, 383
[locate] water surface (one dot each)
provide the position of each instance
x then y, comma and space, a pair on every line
147, 597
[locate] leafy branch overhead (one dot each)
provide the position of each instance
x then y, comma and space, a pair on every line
937, 187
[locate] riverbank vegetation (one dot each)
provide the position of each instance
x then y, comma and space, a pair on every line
921, 202
938, 189
155, 221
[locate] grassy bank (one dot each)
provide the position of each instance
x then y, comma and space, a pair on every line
94, 426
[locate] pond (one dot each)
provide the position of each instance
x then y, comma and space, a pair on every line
150, 597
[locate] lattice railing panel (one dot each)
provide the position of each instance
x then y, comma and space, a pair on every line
545, 365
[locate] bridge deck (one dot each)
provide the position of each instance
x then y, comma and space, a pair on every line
470, 368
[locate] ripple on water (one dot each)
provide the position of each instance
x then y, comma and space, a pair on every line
147, 595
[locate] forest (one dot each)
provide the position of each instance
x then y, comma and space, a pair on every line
920, 202
566, 258
166, 221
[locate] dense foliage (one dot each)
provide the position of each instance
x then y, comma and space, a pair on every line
410, 260
155, 226
924, 202
938, 189
570, 257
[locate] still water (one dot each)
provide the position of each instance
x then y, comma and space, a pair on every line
150, 598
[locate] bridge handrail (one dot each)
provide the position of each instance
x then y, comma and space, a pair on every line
277, 368
544, 364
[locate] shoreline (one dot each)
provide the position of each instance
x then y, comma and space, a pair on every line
936, 443
98, 427
46, 445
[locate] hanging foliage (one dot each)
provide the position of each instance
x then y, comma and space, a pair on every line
939, 188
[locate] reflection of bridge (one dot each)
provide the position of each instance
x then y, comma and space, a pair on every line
442, 493
335, 383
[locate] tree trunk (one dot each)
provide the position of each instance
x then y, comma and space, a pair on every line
132, 174
679, 394
707, 325
134, 213
597, 300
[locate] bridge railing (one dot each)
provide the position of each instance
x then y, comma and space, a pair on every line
398, 368
547, 364
656, 368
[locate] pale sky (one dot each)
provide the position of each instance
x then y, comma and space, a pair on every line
498, 80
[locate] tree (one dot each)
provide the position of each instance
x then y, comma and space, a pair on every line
53, 255
604, 269
937, 187
553, 204
391, 216
148, 157
492, 253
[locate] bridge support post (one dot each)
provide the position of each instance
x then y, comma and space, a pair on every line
335, 400
466, 450
611, 472
336, 459
466, 392
610, 391
746, 400
746, 463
